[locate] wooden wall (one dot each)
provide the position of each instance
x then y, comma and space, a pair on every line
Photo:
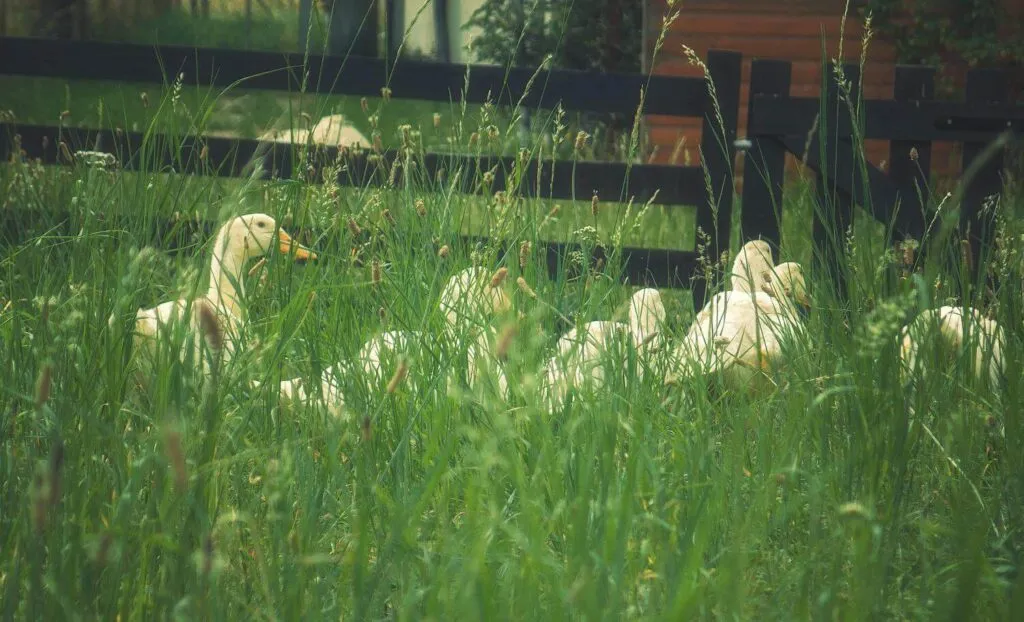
794, 30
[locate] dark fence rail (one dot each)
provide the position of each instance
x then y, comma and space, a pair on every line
573, 90
229, 157
354, 75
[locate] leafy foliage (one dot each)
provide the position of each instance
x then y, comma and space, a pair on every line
602, 35
932, 32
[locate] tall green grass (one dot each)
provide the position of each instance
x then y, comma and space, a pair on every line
203, 499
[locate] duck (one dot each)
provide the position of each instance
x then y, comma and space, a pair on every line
292, 393
467, 302
581, 354
740, 333
216, 316
752, 263
470, 301
956, 331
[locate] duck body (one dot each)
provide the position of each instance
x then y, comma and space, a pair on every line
582, 355
468, 302
936, 338
740, 335
214, 320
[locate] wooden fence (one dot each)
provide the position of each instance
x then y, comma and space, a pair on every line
776, 122
574, 90
911, 121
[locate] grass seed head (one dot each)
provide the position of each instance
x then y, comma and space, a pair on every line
385, 94
176, 456
421, 207
525, 287
399, 376
353, 227
593, 205
505, 339
443, 251
499, 277
524, 254
55, 468
210, 326
43, 384
375, 272
965, 254
581, 140
437, 119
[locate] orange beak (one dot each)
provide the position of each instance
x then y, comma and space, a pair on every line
286, 243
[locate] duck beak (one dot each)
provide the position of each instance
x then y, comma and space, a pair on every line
285, 244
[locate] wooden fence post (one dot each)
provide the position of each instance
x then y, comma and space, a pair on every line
910, 161
834, 212
977, 220
717, 152
764, 166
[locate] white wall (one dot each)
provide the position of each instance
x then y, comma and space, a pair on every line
420, 28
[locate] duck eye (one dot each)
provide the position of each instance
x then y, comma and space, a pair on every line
260, 224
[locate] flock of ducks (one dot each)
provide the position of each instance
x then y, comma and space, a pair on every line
741, 336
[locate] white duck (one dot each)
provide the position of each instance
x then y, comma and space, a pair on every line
377, 359
293, 393
740, 334
752, 264
468, 302
581, 354
948, 334
239, 240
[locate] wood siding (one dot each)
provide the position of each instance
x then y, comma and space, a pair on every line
801, 32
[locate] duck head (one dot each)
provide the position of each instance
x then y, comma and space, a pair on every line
789, 282
254, 235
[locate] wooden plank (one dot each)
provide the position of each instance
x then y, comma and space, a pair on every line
778, 46
910, 161
804, 71
833, 214
799, 91
225, 157
765, 162
896, 120
985, 87
718, 155
408, 79
751, 22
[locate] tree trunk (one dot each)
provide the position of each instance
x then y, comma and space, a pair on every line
353, 30
63, 19
305, 19
443, 41
394, 25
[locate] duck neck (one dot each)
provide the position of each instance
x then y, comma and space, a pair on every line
226, 286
